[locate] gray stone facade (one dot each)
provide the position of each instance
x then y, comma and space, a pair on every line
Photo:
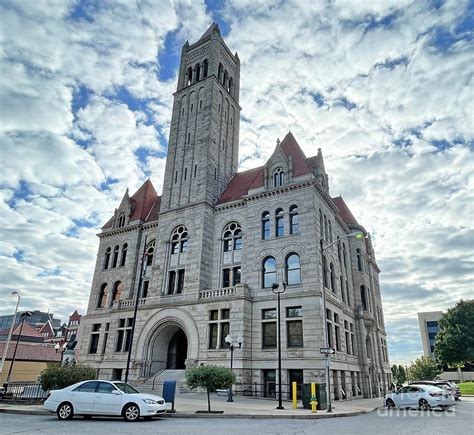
200, 284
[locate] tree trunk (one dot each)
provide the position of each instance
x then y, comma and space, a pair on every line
208, 401
461, 378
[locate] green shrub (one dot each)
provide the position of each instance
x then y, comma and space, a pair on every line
55, 377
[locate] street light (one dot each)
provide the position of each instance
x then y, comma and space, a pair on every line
276, 290
24, 316
57, 346
327, 362
230, 343
5, 351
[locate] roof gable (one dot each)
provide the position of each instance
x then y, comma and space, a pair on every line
292, 149
344, 211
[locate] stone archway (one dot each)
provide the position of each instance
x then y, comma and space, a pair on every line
169, 336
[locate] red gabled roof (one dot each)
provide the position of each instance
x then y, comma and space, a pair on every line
31, 352
240, 184
26, 331
344, 211
291, 148
155, 209
144, 199
47, 328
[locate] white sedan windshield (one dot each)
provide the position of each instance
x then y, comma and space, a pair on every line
127, 389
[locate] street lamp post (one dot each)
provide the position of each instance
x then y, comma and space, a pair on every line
327, 358
24, 316
230, 343
276, 290
57, 346
5, 351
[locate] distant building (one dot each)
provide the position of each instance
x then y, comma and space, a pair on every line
37, 320
32, 355
428, 329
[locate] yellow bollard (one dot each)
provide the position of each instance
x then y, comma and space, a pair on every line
293, 385
314, 403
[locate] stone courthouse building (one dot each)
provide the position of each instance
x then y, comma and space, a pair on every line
217, 239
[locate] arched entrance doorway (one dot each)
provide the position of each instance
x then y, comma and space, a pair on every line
169, 348
177, 351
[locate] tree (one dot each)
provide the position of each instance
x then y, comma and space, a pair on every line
424, 369
394, 369
56, 377
402, 375
210, 378
454, 343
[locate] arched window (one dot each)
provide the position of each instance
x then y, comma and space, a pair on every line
344, 253
359, 260
206, 68
116, 254
178, 256
325, 272
279, 223
150, 251
226, 79
179, 240
124, 255
232, 247
294, 220
197, 68
117, 292
220, 72
278, 177
230, 86
330, 230
102, 298
190, 76
293, 269
121, 220
326, 230
107, 258
269, 275
333, 278
363, 297
343, 291
265, 225
321, 223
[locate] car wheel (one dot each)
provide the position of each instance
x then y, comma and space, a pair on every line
131, 412
423, 404
389, 403
65, 411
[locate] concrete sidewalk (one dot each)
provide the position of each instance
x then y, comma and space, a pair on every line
187, 404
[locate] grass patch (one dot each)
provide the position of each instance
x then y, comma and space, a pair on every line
466, 387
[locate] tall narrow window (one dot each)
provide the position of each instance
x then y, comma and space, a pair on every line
144, 291
185, 173
343, 291
124, 255
293, 269
278, 177
325, 272
232, 255
197, 68
94, 340
190, 76
179, 245
206, 68
279, 223
116, 292
195, 170
107, 258
150, 251
333, 278
294, 220
330, 230
294, 326
180, 284
220, 72
326, 230
269, 329
269, 272
116, 254
236, 275
171, 282
363, 297
102, 299
265, 225
121, 220
359, 260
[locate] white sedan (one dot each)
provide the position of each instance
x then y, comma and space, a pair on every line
106, 398
420, 396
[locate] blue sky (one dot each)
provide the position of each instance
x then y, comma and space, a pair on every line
383, 87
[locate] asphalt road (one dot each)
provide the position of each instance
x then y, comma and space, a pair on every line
457, 421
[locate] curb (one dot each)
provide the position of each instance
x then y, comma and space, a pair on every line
193, 415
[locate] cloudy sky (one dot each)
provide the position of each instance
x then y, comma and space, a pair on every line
384, 87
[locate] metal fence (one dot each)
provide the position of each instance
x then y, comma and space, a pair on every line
24, 391
268, 390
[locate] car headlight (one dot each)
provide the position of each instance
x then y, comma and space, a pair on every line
150, 401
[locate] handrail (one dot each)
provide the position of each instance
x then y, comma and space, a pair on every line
160, 372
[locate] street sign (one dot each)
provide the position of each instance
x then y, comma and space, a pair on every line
327, 362
327, 350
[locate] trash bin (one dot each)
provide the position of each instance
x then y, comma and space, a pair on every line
320, 396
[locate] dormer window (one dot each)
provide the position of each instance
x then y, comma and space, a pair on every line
121, 220
278, 177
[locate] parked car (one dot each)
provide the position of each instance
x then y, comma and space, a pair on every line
420, 396
106, 398
450, 386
